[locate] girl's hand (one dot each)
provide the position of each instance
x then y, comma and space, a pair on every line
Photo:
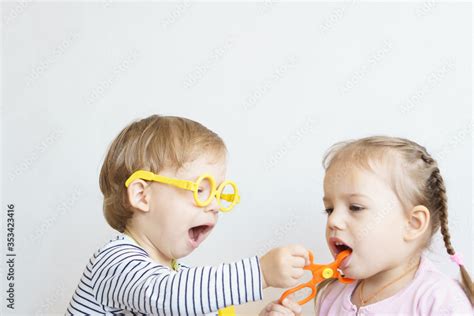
289, 308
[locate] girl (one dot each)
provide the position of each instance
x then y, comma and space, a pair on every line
385, 199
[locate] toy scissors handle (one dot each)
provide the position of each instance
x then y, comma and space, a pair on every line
298, 288
311, 284
320, 272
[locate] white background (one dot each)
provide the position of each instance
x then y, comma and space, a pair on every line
280, 83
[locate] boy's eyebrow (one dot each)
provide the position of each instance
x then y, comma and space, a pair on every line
359, 195
194, 178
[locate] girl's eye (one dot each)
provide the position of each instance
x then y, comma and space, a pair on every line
356, 208
200, 190
328, 210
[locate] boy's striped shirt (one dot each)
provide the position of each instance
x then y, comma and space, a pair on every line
121, 278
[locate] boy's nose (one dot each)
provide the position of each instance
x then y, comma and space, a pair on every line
213, 206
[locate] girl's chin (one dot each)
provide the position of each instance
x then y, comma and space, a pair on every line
354, 274
350, 275
350, 270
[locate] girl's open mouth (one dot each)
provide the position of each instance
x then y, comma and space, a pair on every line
198, 233
340, 247
337, 245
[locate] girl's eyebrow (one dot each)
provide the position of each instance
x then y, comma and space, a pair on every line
350, 195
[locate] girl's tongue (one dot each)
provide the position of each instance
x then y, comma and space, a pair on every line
346, 262
346, 252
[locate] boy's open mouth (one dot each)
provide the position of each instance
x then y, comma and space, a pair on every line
198, 233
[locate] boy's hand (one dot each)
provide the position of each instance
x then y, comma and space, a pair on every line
288, 308
282, 267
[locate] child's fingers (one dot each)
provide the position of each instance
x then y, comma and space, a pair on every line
277, 309
292, 305
298, 262
300, 251
297, 273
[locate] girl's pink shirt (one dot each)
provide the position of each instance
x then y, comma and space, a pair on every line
429, 293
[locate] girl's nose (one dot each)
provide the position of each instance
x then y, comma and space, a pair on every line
336, 220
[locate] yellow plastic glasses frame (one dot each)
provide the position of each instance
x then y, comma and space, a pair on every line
233, 199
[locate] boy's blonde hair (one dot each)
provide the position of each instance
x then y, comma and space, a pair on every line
151, 144
415, 178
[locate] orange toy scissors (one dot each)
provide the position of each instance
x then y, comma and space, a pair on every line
320, 273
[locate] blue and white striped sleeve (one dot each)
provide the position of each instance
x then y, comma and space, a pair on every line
132, 282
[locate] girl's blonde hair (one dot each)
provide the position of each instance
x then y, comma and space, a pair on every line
415, 178
151, 144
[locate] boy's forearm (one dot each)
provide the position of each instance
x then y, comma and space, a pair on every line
198, 290
227, 284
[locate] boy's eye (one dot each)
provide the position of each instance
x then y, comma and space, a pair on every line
356, 208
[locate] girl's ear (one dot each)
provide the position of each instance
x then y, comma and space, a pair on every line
418, 222
138, 193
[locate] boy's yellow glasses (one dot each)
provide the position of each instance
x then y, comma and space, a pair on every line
204, 189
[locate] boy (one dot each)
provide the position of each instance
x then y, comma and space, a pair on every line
152, 197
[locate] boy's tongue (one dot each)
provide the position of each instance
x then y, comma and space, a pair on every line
197, 234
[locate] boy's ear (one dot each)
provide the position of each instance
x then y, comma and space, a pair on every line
138, 195
418, 222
